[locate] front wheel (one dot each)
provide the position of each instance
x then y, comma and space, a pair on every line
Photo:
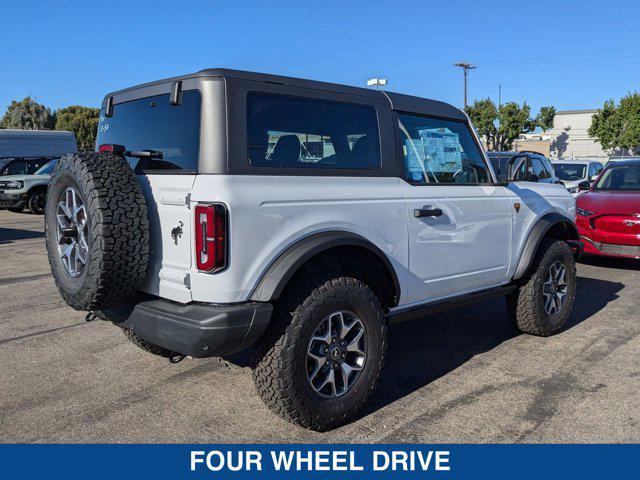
37, 202
542, 302
323, 352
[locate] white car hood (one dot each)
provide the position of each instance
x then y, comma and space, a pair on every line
572, 183
8, 178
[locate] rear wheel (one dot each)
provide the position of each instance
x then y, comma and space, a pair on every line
323, 352
543, 301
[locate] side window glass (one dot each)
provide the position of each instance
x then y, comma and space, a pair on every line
522, 168
440, 151
33, 165
18, 167
295, 132
537, 168
547, 167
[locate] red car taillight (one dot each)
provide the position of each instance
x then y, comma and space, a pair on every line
211, 237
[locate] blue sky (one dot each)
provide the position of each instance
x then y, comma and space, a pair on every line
565, 53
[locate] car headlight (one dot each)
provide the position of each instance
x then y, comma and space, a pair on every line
584, 213
14, 184
572, 189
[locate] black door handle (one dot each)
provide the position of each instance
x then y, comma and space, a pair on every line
427, 212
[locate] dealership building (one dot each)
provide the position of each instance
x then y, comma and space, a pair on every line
567, 139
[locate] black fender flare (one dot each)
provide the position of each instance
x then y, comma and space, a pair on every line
276, 277
535, 236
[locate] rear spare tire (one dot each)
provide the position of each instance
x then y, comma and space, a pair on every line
97, 230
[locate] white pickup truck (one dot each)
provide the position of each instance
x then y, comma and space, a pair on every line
224, 210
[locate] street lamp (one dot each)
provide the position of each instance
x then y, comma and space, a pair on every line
377, 82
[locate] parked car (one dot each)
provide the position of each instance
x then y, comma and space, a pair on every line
619, 159
22, 153
229, 209
573, 172
529, 166
608, 214
30, 191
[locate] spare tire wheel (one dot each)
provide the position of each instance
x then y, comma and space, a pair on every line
97, 230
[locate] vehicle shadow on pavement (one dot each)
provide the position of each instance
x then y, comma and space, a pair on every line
611, 262
9, 235
424, 350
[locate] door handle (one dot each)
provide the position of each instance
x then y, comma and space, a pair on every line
427, 212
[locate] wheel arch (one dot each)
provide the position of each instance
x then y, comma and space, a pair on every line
39, 187
554, 225
334, 248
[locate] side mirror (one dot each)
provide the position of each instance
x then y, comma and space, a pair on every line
584, 185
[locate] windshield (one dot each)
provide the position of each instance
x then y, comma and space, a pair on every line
153, 123
570, 171
620, 177
47, 169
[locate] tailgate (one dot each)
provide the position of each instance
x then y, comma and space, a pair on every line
170, 235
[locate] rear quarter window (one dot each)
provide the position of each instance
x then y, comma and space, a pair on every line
294, 132
152, 123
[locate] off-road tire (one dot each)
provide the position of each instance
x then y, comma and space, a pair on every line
525, 305
279, 365
146, 346
32, 203
118, 230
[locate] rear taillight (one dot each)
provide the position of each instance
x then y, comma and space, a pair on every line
211, 237
111, 148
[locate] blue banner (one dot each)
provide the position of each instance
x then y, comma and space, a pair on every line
319, 461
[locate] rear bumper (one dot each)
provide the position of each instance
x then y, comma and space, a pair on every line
198, 329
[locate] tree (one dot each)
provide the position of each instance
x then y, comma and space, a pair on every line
500, 126
544, 119
82, 121
28, 114
618, 127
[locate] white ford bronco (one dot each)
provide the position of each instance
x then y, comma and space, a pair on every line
225, 210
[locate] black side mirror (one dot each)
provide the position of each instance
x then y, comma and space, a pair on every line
584, 185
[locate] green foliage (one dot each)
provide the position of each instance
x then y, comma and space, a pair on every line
500, 127
544, 119
618, 126
28, 114
82, 121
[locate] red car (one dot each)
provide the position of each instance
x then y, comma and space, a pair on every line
608, 214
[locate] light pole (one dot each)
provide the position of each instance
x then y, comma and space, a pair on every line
377, 82
466, 66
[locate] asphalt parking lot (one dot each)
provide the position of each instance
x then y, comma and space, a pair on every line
462, 376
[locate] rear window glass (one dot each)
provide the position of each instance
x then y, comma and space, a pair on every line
152, 123
294, 132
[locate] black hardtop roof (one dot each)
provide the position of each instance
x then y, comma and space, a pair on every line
400, 102
634, 162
